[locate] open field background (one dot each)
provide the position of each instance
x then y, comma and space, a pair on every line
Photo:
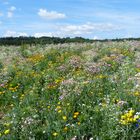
70, 91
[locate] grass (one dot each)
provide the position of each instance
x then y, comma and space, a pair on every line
70, 91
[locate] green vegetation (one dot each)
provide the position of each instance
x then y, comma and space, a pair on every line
70, 91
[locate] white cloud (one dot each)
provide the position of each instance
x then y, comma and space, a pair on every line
87, 28
49, 34
95, 37
78, 30
9, 14
10, 11
12, 8
50, 14
14, 34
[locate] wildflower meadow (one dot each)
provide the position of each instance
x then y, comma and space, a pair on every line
88, 91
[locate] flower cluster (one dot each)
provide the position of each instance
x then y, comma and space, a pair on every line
129, 117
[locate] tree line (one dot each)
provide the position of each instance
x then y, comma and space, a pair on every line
51, 40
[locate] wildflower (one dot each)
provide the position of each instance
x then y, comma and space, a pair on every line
59, 111
76, 113
65, 128
58, 103
64, 117
78, 123
136, 93
121, 103
11, 105
137, 125
58, 107
124, 122
55, 134
7, 124
68, 104
129, 117
74, 116
6, 131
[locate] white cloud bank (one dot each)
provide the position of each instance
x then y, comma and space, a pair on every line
43, 13
71, 30
87, 28
14, 34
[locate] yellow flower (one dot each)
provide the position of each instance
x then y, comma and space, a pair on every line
129, 114
58, 103
11, 105
55, 134
58, 107
7, 124
137, 93
64, 117
131, 111
65, 128
76, 113
6, 131
123, 122
59, 111
134, 120
68, 104
22, 95
74, 116
123, 117
78, 123
49, 107
130, 120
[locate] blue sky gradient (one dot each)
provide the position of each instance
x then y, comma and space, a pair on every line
87, 18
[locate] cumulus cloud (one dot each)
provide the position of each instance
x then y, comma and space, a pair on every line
72, 30
87, 28
43, 13
10, 12
14, 34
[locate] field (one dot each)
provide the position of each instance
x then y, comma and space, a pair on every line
70, 91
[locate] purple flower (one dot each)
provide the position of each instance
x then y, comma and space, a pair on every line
1, 85
137, 125
139, 120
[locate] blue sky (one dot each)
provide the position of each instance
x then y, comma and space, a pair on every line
69, 18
